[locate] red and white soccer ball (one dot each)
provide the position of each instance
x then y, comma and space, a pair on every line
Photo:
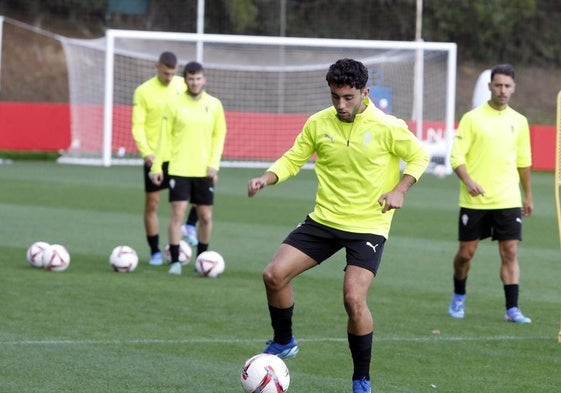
265, 373
35, 253
56, 258
209, 264
185, 252
123, 259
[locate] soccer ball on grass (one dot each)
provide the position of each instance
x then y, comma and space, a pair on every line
56, 258
209, 264
123, 259
265, 373
35, 253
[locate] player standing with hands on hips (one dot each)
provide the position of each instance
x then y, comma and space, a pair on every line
195, 141
151, 101
358, 149
492, 157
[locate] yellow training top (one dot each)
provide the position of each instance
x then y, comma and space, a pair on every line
150, 101
196, 137
356, 163
493, 145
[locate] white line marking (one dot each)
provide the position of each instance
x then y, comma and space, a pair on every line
435, 338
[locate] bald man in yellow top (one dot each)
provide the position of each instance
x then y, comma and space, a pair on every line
151, 103
491, 156
195, 141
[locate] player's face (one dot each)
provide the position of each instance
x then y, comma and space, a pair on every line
501, 87
196, 83
348, 101
165, 73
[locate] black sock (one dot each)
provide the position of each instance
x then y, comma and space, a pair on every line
192, 217
201, 247
361, 352
174, 252
511, 295
460, 286
281, 321
153, 242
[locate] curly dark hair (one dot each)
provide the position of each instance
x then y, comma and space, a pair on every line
347, 72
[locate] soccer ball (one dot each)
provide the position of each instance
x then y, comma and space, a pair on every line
265, 373
35, 253
56, 258
209, 264
123, 259
440, 171
185, 252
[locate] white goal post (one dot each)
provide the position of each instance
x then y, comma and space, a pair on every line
268, 85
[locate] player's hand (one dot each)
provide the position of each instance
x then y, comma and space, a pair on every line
473, 188
157, 178
213, 174
254, 185
391, 200
148, 160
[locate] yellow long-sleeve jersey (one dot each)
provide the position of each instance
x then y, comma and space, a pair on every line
151, 101
356, 163
195, 140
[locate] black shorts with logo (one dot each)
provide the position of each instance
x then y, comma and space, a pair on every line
320, 242
499, 224
149, 186
196, 190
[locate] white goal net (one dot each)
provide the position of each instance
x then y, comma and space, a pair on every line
268, 85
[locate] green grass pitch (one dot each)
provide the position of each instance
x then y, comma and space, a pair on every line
90, 329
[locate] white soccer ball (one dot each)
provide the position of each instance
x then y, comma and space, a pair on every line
209, 264
123, 259
35, 253
265, 373
440, 171
56, 258
185, 252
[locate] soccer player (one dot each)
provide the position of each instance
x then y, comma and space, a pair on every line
358, 149
150, 102
196, 141
491, 156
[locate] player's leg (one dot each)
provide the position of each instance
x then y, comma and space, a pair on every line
190, 227
286, 264
179, 199
473, 225
508, 231
202, 196
364, 255
204, 212
151, 222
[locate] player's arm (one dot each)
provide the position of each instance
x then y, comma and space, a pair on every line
257, 183
528, 202
394, 198
138, 126
473, 188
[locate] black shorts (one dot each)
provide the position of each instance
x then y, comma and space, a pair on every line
149, 186
499, 224
197, 190
320, 242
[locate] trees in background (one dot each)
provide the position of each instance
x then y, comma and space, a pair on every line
524, 31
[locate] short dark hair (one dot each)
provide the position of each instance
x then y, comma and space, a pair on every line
347, 72
503, 69
192, 67
169, 59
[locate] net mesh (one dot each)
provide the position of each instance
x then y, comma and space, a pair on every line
267, 89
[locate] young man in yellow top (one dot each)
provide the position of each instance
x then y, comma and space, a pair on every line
358, 149
195, 141
151, 101
491, 155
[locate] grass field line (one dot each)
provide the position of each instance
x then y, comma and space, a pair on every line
434, 338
